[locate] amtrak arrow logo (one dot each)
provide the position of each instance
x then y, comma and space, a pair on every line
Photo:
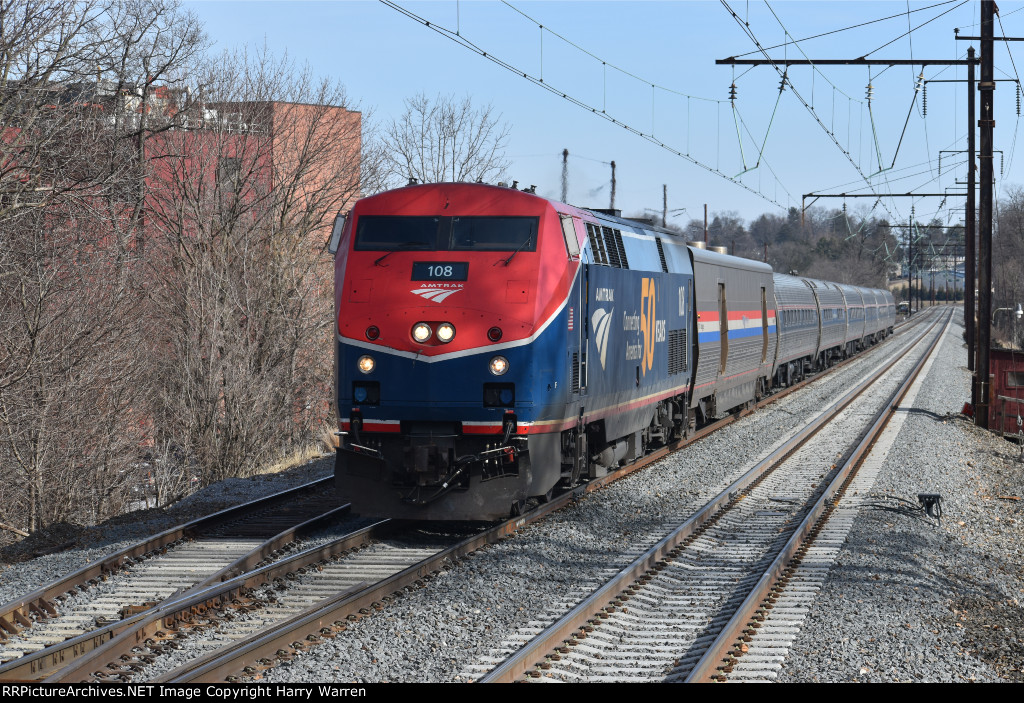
437, 295
602, 322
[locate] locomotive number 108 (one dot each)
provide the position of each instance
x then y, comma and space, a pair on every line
440, 271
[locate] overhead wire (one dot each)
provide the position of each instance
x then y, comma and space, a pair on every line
852, 26
918, 83
751, 135
1013, 63
603, 62
745, 27
908, 32
463, 41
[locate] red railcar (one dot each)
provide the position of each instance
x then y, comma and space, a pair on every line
1006, 412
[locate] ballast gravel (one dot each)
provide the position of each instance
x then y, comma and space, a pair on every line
20, 573
439, 633
910, 598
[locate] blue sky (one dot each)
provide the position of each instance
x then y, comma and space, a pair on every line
773, 145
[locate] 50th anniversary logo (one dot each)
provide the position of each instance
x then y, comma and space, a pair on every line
647, 330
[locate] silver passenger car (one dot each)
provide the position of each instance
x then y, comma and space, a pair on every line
736, 337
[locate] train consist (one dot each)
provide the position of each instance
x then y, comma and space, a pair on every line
492, 345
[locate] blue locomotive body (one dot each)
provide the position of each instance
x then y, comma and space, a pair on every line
492, 345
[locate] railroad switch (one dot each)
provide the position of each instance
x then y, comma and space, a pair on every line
931, 503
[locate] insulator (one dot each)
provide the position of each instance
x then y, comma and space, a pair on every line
782, 83
1018, 100
924, 101
871, 92
732, 96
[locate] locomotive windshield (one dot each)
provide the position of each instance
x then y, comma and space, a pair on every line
390, 233
385, 233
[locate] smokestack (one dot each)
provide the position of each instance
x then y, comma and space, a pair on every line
565, 175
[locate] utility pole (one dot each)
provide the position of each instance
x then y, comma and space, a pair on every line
910, 267
565, 175
969, 232
986, 124
705, 223
612, 206
664, 204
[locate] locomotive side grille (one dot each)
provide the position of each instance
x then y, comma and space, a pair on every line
611, 248
676, 351
622, 249
661, 255
597, 245
575, 372
614, 249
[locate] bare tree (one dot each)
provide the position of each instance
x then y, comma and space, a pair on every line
445, 140
70, 328
239, 212
1007, 272
165, 297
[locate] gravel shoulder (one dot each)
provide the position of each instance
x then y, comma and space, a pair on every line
912, 598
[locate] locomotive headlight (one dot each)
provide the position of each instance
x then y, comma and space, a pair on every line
366, 364
445, 332
498, 365
421, 332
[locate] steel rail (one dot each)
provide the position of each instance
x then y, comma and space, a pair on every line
297, 632
105, 641
15, 614
513, 668
37, 663
234, 658
117, 639
329, 615
82, 662
726, 647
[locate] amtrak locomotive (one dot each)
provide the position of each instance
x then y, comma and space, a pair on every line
492, 345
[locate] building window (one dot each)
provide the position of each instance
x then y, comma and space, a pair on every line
229, 169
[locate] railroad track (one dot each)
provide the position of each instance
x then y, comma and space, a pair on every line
250, 656
687, 608
80, 612
326, 580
